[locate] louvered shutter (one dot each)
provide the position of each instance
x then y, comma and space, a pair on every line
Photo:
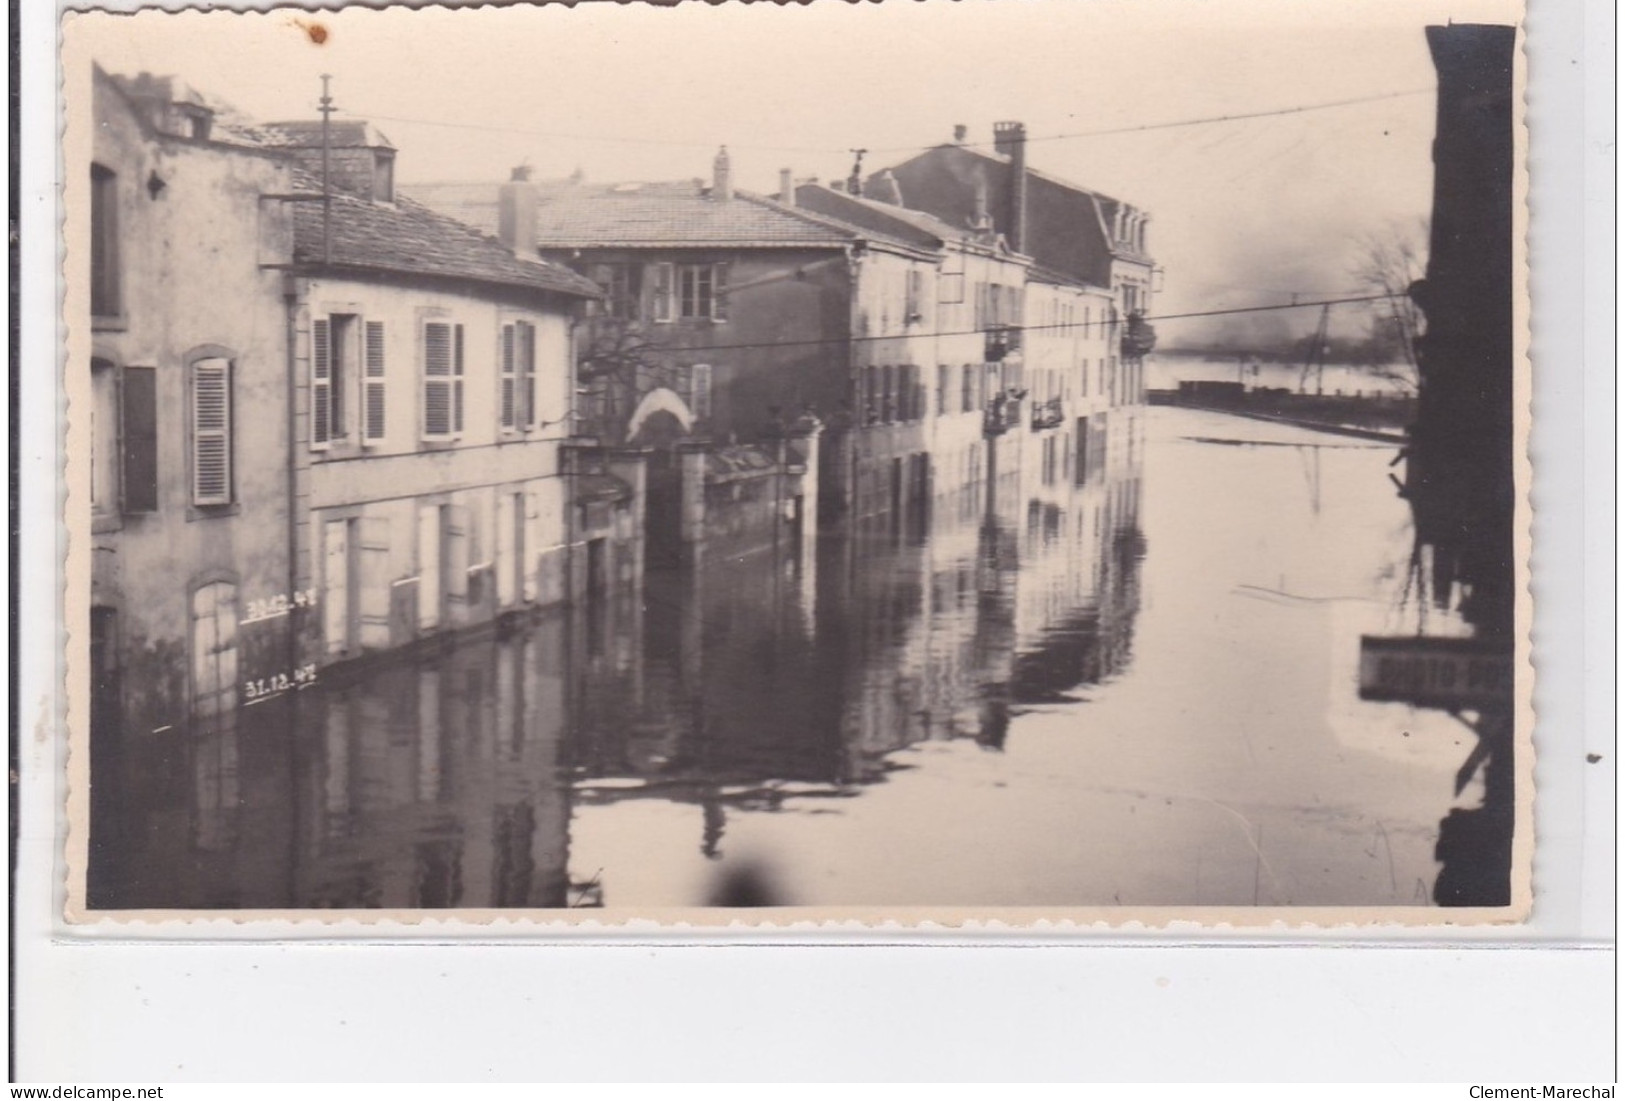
321, 384
373, 399
211, 432
526, 409
663, 292
701, 389
437, 380
457, 381
531, 544
719, 292
509, 383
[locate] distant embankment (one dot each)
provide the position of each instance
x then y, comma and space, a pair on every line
1375, 417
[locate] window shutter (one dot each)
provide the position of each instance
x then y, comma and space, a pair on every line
527, 375
211, 432
321, 385
139, 433
373, 598
509, 384
457, 381
700, 385
663, 292
719, 292
437, 380
373, 430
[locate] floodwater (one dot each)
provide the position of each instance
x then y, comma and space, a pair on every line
1166, 370
1139, 690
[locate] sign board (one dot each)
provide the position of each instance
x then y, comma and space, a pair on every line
1435, 672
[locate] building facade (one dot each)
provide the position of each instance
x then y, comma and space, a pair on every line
432, 395
189, 492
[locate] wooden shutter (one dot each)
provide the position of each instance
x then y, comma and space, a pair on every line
321, 384
429, 587
214, 649
211, 432
437, 380
373, 598
509, 384
373, 398
138, 433
526, 406
663, 292
530, 567
457, 381
336, 585
506, 540
719, 292
700, 387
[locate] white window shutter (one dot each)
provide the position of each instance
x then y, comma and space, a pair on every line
507, 397
211, 432
457, 381
373, 403
321, 385
373, 599
526, 406
437, 381
664, 274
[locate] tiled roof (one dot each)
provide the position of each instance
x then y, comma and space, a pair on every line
408, 238
307, 134
655, 215
916, 226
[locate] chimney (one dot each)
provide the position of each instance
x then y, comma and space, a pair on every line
979, 219
721, 180
960, 133
787, 187
1010, 138
516, 213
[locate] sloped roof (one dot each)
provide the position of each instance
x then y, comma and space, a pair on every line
410, 239
915, 226
667, 214
307, 134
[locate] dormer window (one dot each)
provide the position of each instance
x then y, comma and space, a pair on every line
106, 294
383, 176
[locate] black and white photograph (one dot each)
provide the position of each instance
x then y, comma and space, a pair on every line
931, 462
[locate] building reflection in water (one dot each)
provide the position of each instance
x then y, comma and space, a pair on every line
447, 778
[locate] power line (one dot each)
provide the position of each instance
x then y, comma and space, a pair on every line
818, 341
1103, 132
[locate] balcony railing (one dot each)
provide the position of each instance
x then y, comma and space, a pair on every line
1003, 412
1047, 414
1001, 340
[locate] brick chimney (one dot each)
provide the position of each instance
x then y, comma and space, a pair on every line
787, 187
1010, 139
722, 187
960, 132
516, 213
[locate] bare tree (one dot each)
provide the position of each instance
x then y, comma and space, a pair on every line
1389, 261
618, 365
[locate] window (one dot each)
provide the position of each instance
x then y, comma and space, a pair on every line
943, 373
214, 649
914, 299
442, 380
211, 432
888, 381
967, 389
383, 177
695, 285
622, 285
372, 400
105, 290
518, 398
333, 355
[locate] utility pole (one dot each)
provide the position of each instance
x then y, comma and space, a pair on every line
327, 186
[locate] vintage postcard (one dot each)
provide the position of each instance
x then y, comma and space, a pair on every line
1043, 465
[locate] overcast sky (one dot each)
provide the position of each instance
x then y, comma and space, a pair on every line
1243, 211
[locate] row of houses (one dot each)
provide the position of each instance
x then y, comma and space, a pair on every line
332, 418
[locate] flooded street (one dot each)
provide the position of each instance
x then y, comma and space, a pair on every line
1138, 690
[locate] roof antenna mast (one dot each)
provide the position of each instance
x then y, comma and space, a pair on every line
854, 183
327, 188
